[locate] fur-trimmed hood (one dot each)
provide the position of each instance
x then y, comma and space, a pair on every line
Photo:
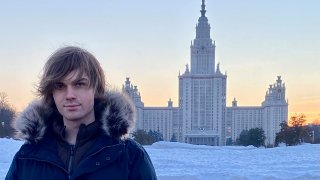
115, 111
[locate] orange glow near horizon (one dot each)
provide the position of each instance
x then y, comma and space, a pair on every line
311, 116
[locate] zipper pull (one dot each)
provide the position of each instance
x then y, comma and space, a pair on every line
71, 150
70, 164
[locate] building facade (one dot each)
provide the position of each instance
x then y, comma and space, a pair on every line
268, 116
202, 116
160, 119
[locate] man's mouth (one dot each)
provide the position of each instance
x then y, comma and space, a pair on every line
71, 105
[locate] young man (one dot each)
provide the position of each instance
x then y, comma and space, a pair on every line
77, 130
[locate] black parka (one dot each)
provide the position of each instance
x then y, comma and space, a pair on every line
111, 156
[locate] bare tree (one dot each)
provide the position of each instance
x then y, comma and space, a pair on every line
7, 114
3, 99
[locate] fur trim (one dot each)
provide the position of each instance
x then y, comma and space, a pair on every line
115, 110
30, 124
119, 115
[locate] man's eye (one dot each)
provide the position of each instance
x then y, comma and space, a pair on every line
81, 84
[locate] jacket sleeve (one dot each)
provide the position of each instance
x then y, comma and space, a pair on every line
12, 173
141, 167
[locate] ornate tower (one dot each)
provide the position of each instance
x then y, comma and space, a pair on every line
202, 91
202, 49
134, 94
275, 110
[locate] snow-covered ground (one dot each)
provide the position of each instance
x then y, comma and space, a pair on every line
189, 162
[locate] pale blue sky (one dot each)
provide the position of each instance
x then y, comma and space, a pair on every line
149, 42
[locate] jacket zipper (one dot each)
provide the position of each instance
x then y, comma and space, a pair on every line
70, 163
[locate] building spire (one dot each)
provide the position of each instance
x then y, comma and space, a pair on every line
203, 9
202, 49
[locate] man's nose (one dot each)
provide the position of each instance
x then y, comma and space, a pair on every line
70, 94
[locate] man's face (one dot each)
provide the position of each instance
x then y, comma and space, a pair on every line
74, 98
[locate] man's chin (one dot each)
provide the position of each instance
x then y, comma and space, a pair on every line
72, 117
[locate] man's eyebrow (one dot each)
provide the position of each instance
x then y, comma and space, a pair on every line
81, 79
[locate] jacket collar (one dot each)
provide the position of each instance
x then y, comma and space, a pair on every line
115, 111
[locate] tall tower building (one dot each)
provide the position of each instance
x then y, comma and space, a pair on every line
202, 91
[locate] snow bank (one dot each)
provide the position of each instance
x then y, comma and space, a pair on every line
8, 149
174, 161
186, 161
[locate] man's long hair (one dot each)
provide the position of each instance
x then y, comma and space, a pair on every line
62, 62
